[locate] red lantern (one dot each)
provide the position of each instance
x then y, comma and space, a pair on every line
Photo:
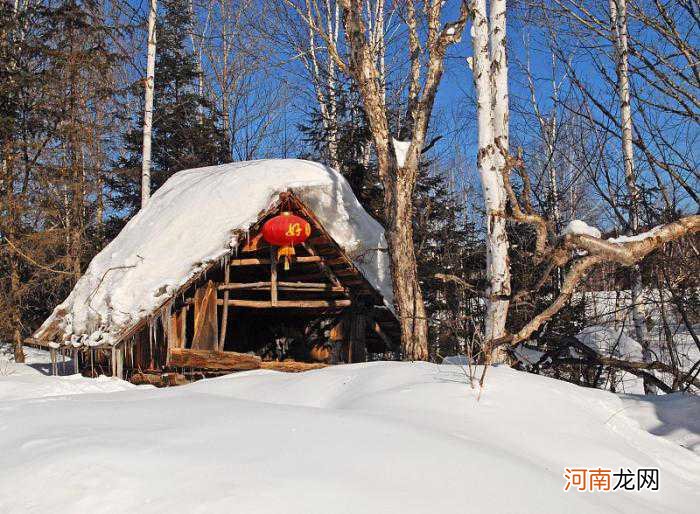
285, 231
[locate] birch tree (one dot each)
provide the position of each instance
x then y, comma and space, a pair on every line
398, 155
148, 105
490, 72
618, 19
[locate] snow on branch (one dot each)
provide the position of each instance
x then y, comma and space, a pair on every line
580, 245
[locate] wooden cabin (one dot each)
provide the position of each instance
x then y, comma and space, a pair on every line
245, 311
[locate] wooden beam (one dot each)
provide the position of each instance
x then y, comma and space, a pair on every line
289, 304
211, 359
291, 366
324, 269
283, 286
224, 315
273, 275
254, 261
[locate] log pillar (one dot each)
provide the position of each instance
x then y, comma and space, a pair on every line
54, 365
119, 365
76, 361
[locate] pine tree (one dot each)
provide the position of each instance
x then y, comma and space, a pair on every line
187, 129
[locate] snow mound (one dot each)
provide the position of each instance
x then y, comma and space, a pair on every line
611, 342
189, 223
581, 228
30, 380
374, 437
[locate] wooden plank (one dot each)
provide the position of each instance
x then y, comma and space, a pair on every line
212, 359
288, 304
205, 318
176, 332
273, 276
291, 366
254, 261
283, 286
224, 315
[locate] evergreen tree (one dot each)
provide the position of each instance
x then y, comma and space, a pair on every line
187, 129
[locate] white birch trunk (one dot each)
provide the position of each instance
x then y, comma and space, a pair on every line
618, 17
490, 79
148, 105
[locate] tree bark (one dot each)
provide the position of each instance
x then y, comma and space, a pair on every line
618, 17
490, 79
408, 297
148, 105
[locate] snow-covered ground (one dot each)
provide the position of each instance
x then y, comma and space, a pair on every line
376, 437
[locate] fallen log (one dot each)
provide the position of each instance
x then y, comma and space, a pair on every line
291, 366
212, 359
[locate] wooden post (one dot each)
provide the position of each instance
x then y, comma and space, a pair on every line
119, 367
113, 361
76, 364
206, 326
273, 276
54, 366
358, 326
224, 313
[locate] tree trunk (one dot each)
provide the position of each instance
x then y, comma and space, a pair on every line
408, 297
490, 80
148, 107
618, 17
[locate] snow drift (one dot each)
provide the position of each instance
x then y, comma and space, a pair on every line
374, 437
189, 223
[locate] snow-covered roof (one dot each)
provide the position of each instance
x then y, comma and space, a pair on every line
188, 224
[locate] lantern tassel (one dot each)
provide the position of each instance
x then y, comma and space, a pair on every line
287, 252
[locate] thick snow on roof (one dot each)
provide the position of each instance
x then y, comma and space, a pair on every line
189, 223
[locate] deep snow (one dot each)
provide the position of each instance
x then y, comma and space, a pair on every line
375, 437
189, 223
